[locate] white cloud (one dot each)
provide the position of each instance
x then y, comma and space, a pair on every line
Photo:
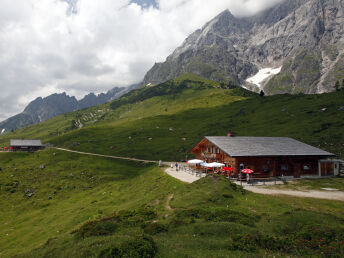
46, 46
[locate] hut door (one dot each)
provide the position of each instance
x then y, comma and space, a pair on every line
297, 172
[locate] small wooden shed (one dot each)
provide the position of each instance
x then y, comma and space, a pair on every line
26, 145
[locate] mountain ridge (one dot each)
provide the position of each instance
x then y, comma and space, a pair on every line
231, 49
42, 109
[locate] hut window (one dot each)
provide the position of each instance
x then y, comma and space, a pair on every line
217, 150
268, 162
209, 150
265, 168
306, 167
284, 167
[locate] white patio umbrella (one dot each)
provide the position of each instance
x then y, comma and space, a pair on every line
204, 164
215, 165
195, 161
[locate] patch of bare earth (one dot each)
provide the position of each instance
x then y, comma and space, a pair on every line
167, 206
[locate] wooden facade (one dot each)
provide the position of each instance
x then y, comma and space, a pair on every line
264, 166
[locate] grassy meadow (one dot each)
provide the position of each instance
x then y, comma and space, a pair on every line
313, 119
37, 204
59, 204
95, 207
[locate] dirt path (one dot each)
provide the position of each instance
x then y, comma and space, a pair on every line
107, 156
328, 195
167, 206
182, 175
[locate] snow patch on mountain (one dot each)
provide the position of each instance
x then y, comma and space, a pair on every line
3, 131
262, 75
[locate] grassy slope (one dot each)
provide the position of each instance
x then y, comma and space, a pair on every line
207, 217
193, 107
100, 186
298, 116
81, 187
197, 92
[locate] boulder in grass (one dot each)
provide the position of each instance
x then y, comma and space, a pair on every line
30, 194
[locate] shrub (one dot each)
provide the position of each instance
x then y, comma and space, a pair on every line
154, 228
308, 241
97, 228
143, 246
108, 226
136, 217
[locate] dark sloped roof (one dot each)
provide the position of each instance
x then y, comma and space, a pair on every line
265, 146
15, 142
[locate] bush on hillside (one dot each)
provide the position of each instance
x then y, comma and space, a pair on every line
322, 241
136, 217
108, 226
102, 227
142, 247
154, 228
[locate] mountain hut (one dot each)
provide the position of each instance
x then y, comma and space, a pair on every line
26, 145
266, 156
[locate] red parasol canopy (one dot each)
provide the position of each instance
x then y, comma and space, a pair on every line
227, 169
247, 171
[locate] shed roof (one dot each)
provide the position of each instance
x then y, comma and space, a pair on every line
265, 146
35, 143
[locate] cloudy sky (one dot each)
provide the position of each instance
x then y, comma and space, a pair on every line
82, 46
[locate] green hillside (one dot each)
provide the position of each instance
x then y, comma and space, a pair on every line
85, 206
183, 93
167, 120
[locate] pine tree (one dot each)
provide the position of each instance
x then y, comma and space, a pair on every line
343, 84
261, 93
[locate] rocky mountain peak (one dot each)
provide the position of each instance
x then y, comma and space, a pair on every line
303, 39
42, 109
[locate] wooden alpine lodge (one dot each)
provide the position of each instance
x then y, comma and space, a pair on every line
266, 156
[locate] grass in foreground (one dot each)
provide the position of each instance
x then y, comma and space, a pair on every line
37, 204
112, 208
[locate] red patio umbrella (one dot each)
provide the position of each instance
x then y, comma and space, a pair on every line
227, 169
247, 171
